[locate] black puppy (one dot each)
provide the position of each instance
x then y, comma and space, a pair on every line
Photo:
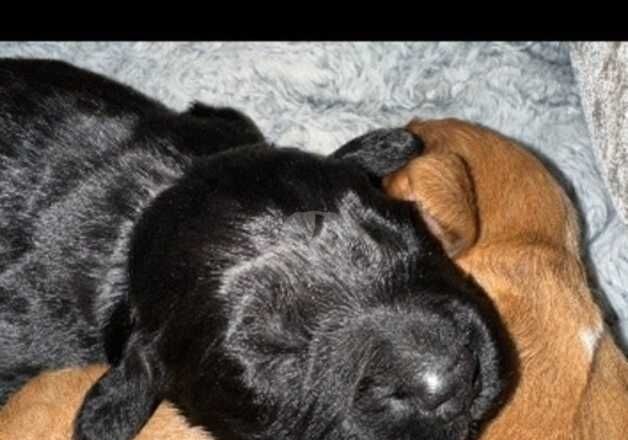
182, 245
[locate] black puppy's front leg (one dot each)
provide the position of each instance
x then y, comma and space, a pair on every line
122, 401
381, 151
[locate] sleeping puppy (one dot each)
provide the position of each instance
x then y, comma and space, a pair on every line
268, 293
512, 227
45, 408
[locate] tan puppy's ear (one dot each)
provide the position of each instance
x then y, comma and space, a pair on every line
440, 184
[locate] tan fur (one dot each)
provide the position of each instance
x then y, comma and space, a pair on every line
516, 233
45, 407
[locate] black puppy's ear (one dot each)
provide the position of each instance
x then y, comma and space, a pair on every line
202, 130
382, 151
121, 402
226, 120
204, 111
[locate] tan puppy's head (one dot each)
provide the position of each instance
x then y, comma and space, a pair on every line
502, 216
46, 406
475, 187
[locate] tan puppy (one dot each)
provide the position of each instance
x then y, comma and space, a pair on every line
508, 223
45, 407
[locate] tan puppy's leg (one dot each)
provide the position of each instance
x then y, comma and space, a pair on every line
44, 409
603, 410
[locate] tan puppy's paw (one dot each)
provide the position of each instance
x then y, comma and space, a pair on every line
440, 185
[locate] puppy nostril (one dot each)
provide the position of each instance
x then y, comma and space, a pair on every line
477, 379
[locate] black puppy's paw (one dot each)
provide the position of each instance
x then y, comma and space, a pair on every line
120, 403
381, 151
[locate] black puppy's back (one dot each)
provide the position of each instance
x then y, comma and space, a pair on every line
80, 157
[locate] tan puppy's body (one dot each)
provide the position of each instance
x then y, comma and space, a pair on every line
44, 409
510, 226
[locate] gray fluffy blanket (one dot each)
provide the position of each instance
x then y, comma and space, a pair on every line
319, 95
601, 69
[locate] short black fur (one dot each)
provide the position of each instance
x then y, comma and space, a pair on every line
178, 247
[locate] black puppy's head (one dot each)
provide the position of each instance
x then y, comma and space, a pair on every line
316, 311
277, 295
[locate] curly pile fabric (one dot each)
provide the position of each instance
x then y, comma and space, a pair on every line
601, 69
318, 95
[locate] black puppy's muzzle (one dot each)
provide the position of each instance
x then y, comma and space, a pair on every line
425, 363
431, 369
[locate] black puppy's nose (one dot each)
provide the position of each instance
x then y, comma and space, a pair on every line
435, 389
444, 385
